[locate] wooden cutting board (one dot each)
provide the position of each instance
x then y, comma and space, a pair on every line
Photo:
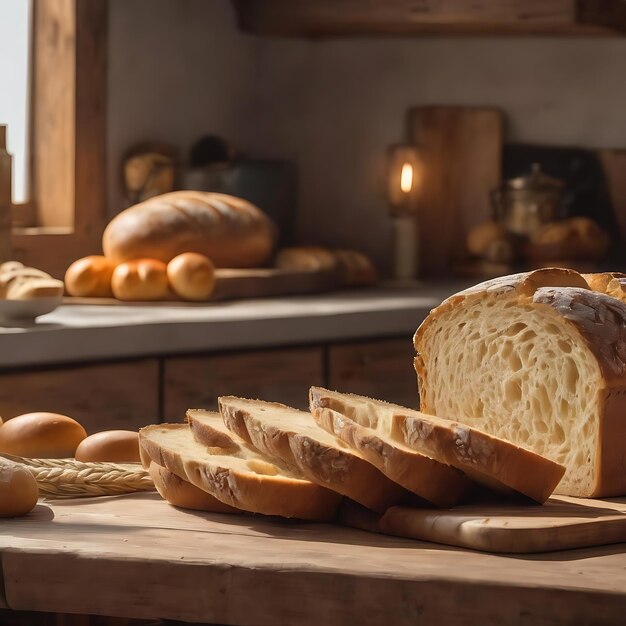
232, 284
562, 523
461, 152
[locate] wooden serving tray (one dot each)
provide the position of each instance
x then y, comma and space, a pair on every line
562, 523
231, 284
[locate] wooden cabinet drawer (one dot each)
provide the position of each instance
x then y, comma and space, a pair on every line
276, 375
101, 397
380, 369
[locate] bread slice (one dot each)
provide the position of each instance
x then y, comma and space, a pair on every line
431, 480
293, 437
490, 461
183, 494
539, 359
235, 473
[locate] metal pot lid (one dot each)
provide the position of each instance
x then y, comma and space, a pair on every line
536, 181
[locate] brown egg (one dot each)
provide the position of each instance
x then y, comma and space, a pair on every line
191, 276
110, 446
41, 435
90, 277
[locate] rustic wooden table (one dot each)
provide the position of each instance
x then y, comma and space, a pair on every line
137, 557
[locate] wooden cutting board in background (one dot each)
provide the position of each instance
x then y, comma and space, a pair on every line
461, 149
561, 524
232, 284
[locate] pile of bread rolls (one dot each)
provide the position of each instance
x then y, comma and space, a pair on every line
52, 436
188, 276
168, 247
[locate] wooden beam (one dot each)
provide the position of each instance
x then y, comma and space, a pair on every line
319, 18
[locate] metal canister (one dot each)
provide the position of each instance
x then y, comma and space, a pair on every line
526, 203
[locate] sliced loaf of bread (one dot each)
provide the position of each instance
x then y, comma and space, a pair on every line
431, 480
293, 437
234, 472
540, 360
493, 462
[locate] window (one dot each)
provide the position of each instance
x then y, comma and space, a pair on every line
15, 29
62, 136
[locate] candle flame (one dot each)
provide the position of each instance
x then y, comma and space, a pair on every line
406, 178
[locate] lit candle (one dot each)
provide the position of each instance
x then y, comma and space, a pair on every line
406, 178
402, 192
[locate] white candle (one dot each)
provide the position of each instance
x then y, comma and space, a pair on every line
405, 235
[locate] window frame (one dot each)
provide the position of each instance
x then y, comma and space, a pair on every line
66, 213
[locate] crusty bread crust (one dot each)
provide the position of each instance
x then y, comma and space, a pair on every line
228, 230
183, 494
596, 321
295, 439
495, 463
249, 483
431, 480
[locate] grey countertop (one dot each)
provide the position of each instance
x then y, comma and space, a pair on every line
75, 333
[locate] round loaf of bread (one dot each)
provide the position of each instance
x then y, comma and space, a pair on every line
230, 231
18, 489
143, 279
41, 435
179, 492
109, 446
90, 277
356, 269
191, 276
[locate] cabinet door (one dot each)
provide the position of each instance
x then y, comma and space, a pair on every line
275, 375
380, 369
100, 397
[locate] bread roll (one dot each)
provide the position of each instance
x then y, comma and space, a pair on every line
110, 446
306, 259
144, 279
18, 282
179, 492
356, 269
191, 276
230, 231
41, 435
90, 277
540, 360
18, 489
481, 236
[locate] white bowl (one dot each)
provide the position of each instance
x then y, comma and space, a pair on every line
27, 310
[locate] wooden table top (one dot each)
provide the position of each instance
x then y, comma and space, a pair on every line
137, 557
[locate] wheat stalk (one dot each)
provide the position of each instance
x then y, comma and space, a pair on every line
67, 478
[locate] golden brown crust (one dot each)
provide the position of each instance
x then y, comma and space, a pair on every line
270, 493
191, 276
431, 480
181, 493
90, 277
109, 446
41, 435
490, 461
142, 279
228, 230
319, 457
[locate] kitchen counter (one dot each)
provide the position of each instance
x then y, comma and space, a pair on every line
75, 333
137, 557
